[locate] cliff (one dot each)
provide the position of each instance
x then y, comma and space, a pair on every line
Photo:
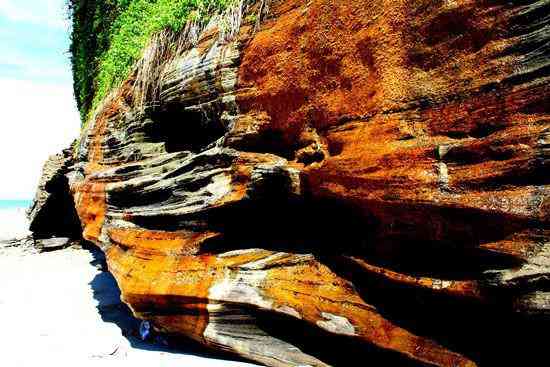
333, 182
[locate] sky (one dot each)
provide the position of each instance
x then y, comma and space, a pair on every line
38, 115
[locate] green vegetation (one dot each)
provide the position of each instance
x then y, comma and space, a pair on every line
109, 35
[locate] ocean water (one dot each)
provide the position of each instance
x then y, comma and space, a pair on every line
13, 221
14, 204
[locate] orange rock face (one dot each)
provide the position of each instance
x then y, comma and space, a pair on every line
356, 180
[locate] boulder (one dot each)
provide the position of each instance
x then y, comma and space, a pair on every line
53, 244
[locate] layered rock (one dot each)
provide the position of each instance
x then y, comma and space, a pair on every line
366, 176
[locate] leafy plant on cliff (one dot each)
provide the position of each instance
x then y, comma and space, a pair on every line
108, 37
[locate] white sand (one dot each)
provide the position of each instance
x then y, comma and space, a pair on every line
13, 223
49, 314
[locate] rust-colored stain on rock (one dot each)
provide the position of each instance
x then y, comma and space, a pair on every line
368, 173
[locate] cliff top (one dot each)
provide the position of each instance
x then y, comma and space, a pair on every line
108, 37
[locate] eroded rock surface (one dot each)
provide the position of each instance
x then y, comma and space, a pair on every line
356, 180
52, 212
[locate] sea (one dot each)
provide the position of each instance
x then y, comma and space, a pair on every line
11, 204
13, 221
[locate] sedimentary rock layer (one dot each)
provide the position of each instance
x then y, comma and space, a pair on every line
354, 180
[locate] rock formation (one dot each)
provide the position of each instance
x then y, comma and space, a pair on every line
52, 213
354, 181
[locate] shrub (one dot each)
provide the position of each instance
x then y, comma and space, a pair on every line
108, 37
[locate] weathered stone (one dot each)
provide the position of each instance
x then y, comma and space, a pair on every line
52, 212
25, 244
358, 180
53, 244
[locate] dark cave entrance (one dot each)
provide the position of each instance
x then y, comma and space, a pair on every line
58, 216
184, 129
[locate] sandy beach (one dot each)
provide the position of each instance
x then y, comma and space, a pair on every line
62, 308
13, 223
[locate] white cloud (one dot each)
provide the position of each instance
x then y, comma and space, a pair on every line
45, 12
32, 68
37, 120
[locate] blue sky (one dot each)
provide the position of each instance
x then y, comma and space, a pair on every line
31, 31
39, 116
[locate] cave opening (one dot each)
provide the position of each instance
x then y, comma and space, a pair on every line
58, 216
182, 129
